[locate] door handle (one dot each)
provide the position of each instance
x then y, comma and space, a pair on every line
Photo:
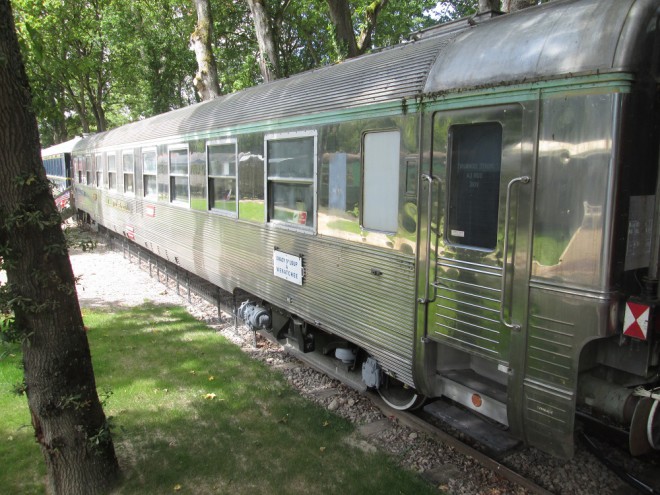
430, 179
524, 179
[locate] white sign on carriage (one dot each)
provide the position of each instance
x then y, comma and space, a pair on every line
288, 267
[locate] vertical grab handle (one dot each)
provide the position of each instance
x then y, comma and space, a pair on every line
430, 179
505, 250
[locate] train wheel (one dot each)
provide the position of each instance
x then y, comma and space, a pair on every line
399, 396
653, 425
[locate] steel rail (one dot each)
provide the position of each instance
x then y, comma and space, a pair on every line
419, 424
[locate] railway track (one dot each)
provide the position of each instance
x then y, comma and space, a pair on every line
418, 424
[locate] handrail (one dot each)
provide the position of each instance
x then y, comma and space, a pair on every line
524, 179
430, 179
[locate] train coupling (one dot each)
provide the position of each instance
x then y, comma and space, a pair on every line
255, 316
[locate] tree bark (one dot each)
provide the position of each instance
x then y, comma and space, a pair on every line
206, 79
349, 45
488, 5
364, 39
340, 15
69, 423
514, 5
268, 62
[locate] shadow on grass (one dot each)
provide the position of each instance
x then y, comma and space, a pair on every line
194, 414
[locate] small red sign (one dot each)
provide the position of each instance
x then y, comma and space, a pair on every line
130, 232
636, 320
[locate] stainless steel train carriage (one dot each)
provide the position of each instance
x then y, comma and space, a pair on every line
470, 217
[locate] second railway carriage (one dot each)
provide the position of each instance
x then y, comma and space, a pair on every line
57, 162
471, 215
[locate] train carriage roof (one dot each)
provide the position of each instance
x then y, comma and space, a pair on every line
560, 38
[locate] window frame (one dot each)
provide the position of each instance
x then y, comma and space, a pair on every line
268, 179
108, 171
143, 151
89, 171
124, 173
222, 142
98, 170
170, 175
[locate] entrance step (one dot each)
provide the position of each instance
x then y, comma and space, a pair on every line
490, 436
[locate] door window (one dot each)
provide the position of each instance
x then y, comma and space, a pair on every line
475, 162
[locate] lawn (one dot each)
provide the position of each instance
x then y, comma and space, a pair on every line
193, 414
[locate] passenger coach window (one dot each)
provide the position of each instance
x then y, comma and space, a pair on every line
149, 177
475, 160
221, 159
380, 193
128, 167
179, 166
99, 170
89, 175
112, 172
291, 162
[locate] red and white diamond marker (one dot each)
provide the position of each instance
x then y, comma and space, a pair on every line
636, 320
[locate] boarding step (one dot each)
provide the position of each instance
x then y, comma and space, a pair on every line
474, 381
495, 439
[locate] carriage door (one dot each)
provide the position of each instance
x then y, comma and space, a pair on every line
475, 273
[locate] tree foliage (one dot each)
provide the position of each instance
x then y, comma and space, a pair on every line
97, 64
101, 63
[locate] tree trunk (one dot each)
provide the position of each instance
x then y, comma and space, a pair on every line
340, 15
68, 419
364, 39
268, 62
348, 45
488, 5
513, 5
206, 79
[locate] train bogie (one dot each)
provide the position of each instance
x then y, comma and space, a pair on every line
430, 220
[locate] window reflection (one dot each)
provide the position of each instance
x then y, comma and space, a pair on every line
222, 177
291, 180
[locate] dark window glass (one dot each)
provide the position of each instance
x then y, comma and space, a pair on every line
99, 170
128, 184
129, 169
150, 187
179, 189
112, 172
475, 160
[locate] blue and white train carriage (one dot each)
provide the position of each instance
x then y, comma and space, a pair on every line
471, 215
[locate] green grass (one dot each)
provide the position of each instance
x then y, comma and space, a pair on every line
251, 435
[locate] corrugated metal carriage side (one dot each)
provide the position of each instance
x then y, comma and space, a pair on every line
462, 216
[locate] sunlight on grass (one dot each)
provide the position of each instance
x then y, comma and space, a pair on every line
193, 414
